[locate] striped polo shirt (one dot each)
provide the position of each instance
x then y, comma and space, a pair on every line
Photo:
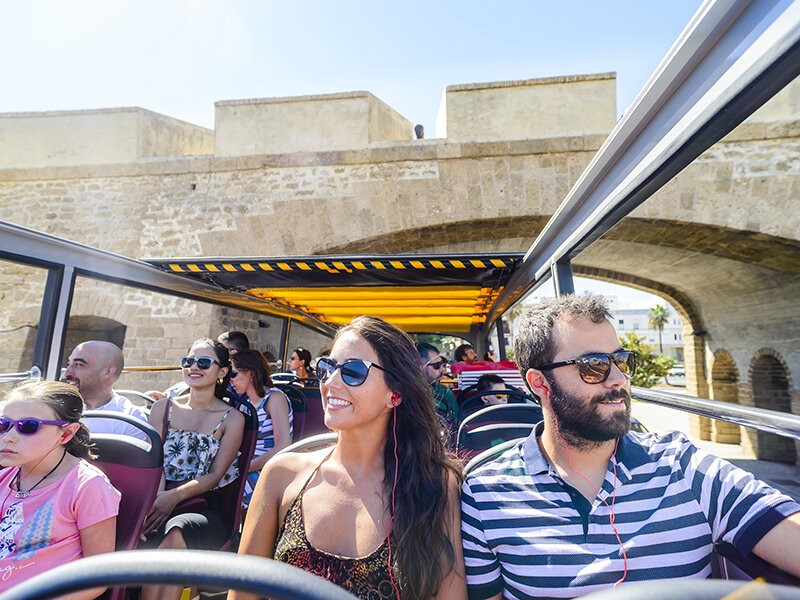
529, 534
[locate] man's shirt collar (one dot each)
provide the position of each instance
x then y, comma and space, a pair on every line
630, 453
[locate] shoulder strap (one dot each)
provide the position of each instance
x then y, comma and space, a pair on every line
167, 414
222, 420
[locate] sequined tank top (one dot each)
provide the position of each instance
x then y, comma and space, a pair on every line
366, 577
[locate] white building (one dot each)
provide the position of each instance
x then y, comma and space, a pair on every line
635, 320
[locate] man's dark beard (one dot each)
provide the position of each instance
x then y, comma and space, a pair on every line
579, 421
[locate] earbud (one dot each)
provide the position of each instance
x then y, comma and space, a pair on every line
395, 398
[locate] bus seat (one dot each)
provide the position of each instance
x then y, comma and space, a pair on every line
485, 437
312, 443
729, 563
140, 400
470, 399
134, 467
489, 455
233, 492
315, 412
299, 408
500, 413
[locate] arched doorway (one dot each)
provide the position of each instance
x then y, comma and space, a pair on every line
770, 380
724, 380
89, 327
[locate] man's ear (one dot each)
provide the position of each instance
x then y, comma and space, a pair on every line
537, 382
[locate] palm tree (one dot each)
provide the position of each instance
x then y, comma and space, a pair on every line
659, 316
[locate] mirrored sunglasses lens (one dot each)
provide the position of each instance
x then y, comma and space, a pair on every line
626, 362
204, 363
187, 361
5, 425
28, 426
325, 368
354, 372
594, 369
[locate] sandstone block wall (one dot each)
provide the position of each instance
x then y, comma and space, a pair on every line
305, 123
93, 137
533, 108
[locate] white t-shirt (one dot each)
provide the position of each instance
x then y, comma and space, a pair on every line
122, 405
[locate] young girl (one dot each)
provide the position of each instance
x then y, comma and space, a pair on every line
56, 507
379, 513
250, 377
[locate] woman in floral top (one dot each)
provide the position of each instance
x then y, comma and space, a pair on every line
201, 435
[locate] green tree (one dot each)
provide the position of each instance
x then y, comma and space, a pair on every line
659, 316
650, 366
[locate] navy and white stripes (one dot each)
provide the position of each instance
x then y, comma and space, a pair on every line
528, 534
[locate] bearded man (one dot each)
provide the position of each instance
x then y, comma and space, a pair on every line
582, 503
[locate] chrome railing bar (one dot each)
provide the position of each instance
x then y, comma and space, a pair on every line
34, 374
771, 421
147, 369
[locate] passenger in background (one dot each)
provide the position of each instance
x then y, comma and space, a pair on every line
61, 507
386, 494
491, 382
250, 378
465, 353
94, 367
300, 364
201, 435
434, 366
234, 341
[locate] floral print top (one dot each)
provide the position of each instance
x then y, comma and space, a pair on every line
189, 454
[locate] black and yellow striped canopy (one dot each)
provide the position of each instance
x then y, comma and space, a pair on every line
421, 293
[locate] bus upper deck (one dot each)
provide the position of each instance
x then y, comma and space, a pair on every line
730, 60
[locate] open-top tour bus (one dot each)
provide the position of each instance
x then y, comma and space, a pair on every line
731, 59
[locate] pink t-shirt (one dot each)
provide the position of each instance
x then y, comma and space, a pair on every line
42, 531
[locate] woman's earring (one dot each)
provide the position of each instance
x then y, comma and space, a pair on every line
220, 380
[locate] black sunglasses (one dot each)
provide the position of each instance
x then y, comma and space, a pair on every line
202, 363
594, 368
438, 364
27, 426
354, 371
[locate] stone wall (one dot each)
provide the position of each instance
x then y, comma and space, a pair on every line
721, 241
94, 137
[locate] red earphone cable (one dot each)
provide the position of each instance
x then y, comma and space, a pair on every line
394, 487
612, 517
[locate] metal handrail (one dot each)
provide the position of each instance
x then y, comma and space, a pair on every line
771, 421
146, 368
32, 374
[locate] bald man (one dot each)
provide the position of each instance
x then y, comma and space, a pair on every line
93, 368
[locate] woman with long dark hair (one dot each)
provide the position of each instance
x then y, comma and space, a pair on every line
300, 363
379, 512
201, 434
250, 377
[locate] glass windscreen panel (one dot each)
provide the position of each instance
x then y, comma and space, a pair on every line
155, 330
301, 336
21, 290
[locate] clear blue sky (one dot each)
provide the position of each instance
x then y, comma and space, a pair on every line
179, 56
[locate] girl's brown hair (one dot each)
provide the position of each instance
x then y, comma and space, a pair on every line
66, 402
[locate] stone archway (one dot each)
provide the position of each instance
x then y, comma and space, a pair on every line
771, 386
724, 380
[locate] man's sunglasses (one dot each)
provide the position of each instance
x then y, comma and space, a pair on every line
27, 426
354, 372
438, 364
202, 363
594, 368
